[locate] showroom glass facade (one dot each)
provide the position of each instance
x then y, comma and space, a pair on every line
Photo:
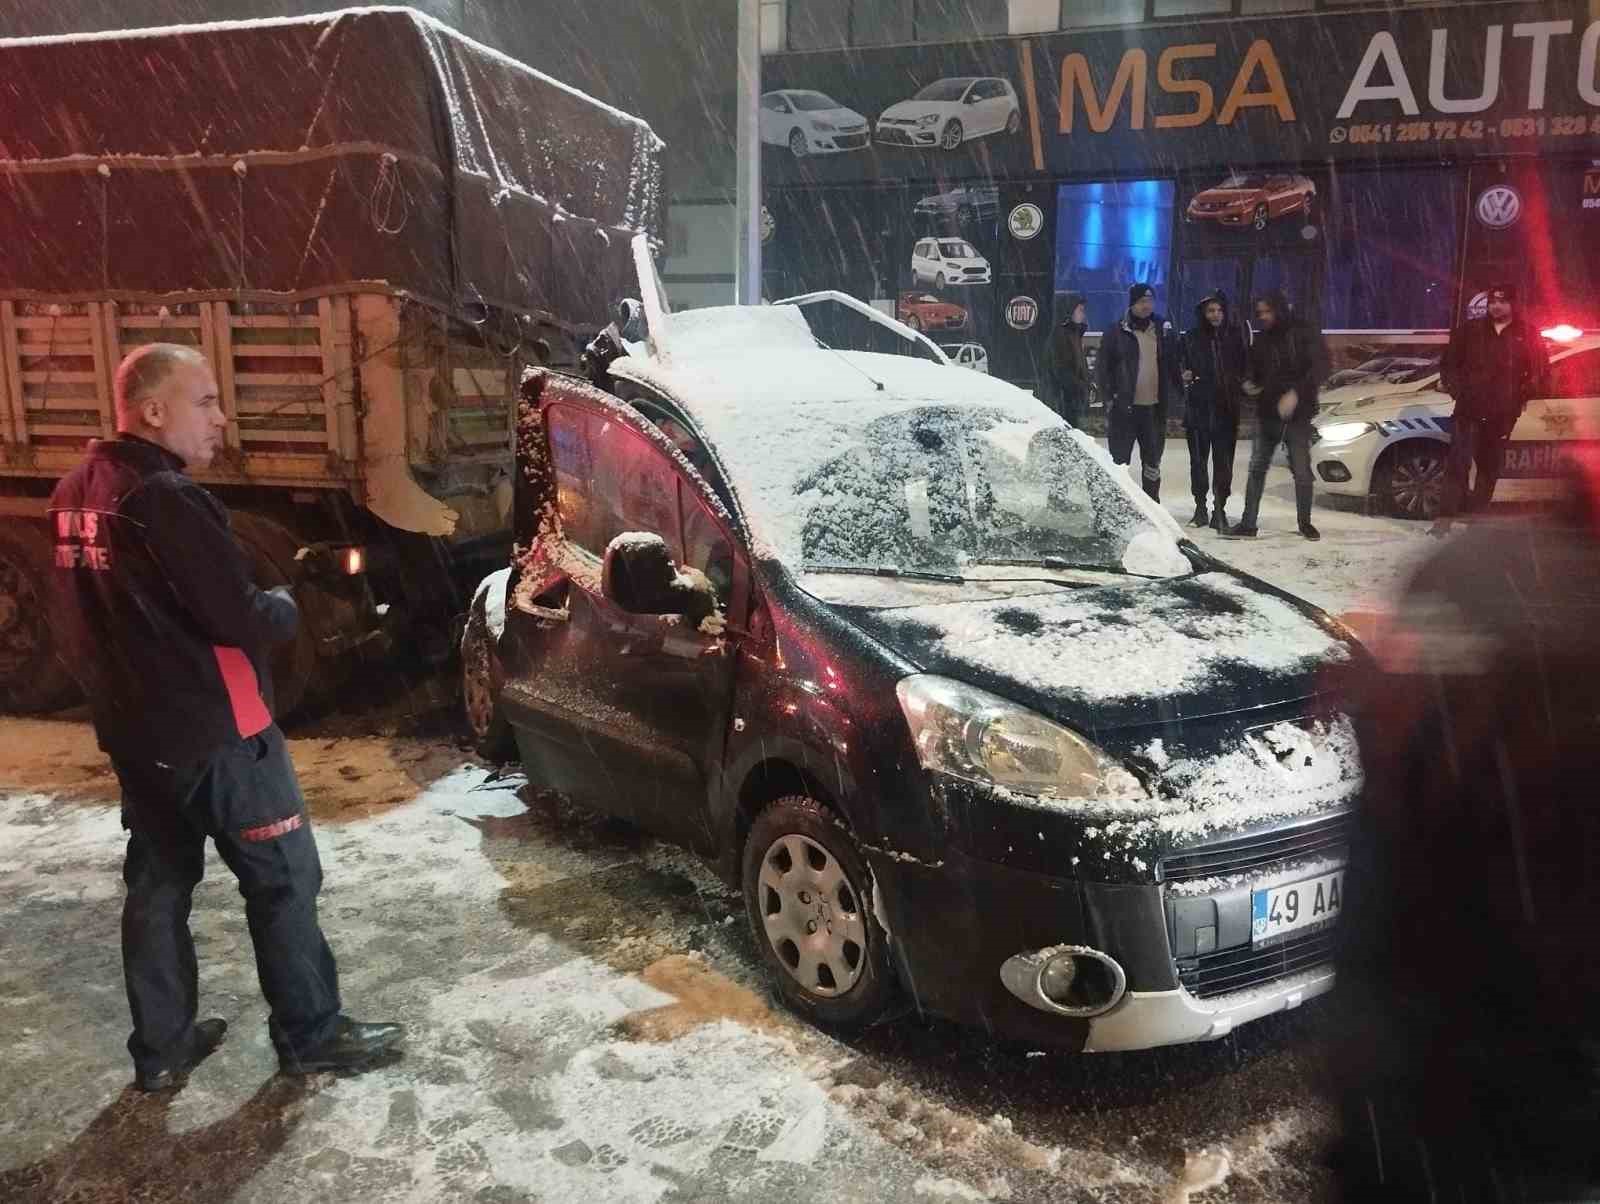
1329, 159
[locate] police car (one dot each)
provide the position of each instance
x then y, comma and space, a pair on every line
1386, 440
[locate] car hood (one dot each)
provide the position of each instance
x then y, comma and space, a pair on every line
917, 108
1231, 196
966, 261
840, 116
1124, 655
1374, 403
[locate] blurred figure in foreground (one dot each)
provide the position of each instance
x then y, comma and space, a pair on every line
1468, 1050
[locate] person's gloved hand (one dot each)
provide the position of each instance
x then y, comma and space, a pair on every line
1288, 404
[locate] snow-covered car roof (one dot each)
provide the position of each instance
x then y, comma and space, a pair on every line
777, 407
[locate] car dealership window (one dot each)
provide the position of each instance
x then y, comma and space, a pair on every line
957, 20
877, 22
1191, 8
1392, 240
819, 24
1078, 13
1251, 7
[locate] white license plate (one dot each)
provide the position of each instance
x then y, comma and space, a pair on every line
1279, 911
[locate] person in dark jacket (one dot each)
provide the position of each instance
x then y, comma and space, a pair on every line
1138, 373
1466, 1048
1281, 375
1066, 363
1492, 366
1214, 355
170, 639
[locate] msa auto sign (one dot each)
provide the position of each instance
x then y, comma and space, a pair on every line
1499, 206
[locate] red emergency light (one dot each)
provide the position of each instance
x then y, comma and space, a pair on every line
1562, 333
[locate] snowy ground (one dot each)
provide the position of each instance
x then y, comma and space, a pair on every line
587, 1021
1360, 563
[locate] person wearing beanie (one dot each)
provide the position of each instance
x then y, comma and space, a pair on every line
1214, 352
1286, 360
1066, 366
1138, 375
1492, 366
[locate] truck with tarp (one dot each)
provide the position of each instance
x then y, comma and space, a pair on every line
370, 225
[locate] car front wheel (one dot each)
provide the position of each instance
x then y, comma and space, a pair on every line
913, 321
807, 892
798, 146
953, 136
1258, 219
1013, 122
1409, 483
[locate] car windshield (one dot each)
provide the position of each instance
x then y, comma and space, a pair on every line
862, 485
1385, 371
812, 102
954, 248
1243, 182
945, 89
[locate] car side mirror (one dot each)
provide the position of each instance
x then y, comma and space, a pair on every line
972, 100
638, 575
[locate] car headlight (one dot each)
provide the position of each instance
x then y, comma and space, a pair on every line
928, 119
971, 734
826, 127
1343, 432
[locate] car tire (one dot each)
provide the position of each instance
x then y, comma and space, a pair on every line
966, 217
953, 136
1013, 122
1409, 480
802, 869
798, 146
941, 281
270, 549
1309, 206
914, 322
33, 678
1258, 219
487, 730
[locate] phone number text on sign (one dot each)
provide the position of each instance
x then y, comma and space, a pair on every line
1360, 133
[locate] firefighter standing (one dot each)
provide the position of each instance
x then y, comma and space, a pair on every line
169, 637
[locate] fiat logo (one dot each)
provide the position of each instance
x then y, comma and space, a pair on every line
1022, 313
1499, 206
1025, 221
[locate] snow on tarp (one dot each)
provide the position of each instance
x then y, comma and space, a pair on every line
371, 149
819, 445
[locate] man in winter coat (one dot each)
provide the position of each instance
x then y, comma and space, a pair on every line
1214, 355
1138, 371
170, 639
1281, 374
1066, 364
1492, 366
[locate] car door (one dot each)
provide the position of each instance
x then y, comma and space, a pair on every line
774, 119
1553, 427
993, 105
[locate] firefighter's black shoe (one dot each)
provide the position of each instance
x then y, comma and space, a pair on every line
1310, 532
208, 1034
354, 1045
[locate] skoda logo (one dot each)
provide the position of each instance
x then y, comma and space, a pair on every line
1022, 313
1025, 221
1499, 206
769, 226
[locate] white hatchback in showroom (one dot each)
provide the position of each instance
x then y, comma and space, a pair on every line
811, 123
1386, 442
948, 112
947, 261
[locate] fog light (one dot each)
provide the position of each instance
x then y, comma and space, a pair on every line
1333, 472
1071, 980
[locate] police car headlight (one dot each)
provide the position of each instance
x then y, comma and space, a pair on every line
1343, 432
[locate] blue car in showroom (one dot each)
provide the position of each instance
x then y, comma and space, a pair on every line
928, 679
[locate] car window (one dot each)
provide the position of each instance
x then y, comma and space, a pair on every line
706, 546
1576, 376
610, 479
774, 103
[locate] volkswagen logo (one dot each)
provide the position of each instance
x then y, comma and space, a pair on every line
1025, 221
1021, 313
1499, 206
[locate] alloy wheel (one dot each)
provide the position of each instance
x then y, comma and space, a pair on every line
953, 135
1416, 484
798, 147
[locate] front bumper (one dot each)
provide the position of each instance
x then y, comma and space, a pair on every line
1352, 461
1147, 1019
904, 135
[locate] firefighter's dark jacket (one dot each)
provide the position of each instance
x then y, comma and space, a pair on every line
155, 610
